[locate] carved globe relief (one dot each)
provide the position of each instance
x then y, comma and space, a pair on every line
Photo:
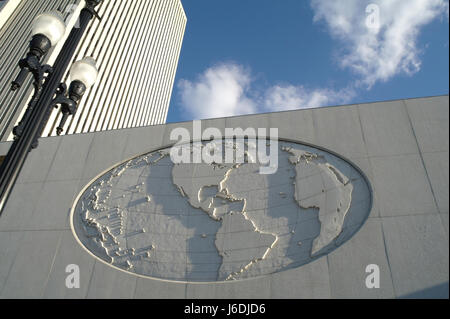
218, 222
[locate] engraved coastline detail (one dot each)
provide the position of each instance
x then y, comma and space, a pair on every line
209, 222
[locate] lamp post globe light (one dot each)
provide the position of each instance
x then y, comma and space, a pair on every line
84, 71
47, 30
83, 75
51, 25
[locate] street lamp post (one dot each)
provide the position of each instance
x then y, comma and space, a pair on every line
48, 29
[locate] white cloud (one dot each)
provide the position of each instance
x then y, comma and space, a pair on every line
378, 56
289, 97
375, 55
227, 89
220, 91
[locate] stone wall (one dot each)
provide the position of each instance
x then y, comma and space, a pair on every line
400, 146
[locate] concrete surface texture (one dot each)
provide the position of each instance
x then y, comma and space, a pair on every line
200, 222
360, 185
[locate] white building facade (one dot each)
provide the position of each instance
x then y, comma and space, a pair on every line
136, 45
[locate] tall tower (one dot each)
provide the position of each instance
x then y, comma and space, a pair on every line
136, 45
16, 17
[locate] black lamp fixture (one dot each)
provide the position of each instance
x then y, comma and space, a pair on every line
47, 30
83, 75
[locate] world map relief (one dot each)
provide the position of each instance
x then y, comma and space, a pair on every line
219, 222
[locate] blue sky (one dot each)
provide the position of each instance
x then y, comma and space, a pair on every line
254, 56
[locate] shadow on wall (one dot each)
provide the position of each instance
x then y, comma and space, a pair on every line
435, 292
